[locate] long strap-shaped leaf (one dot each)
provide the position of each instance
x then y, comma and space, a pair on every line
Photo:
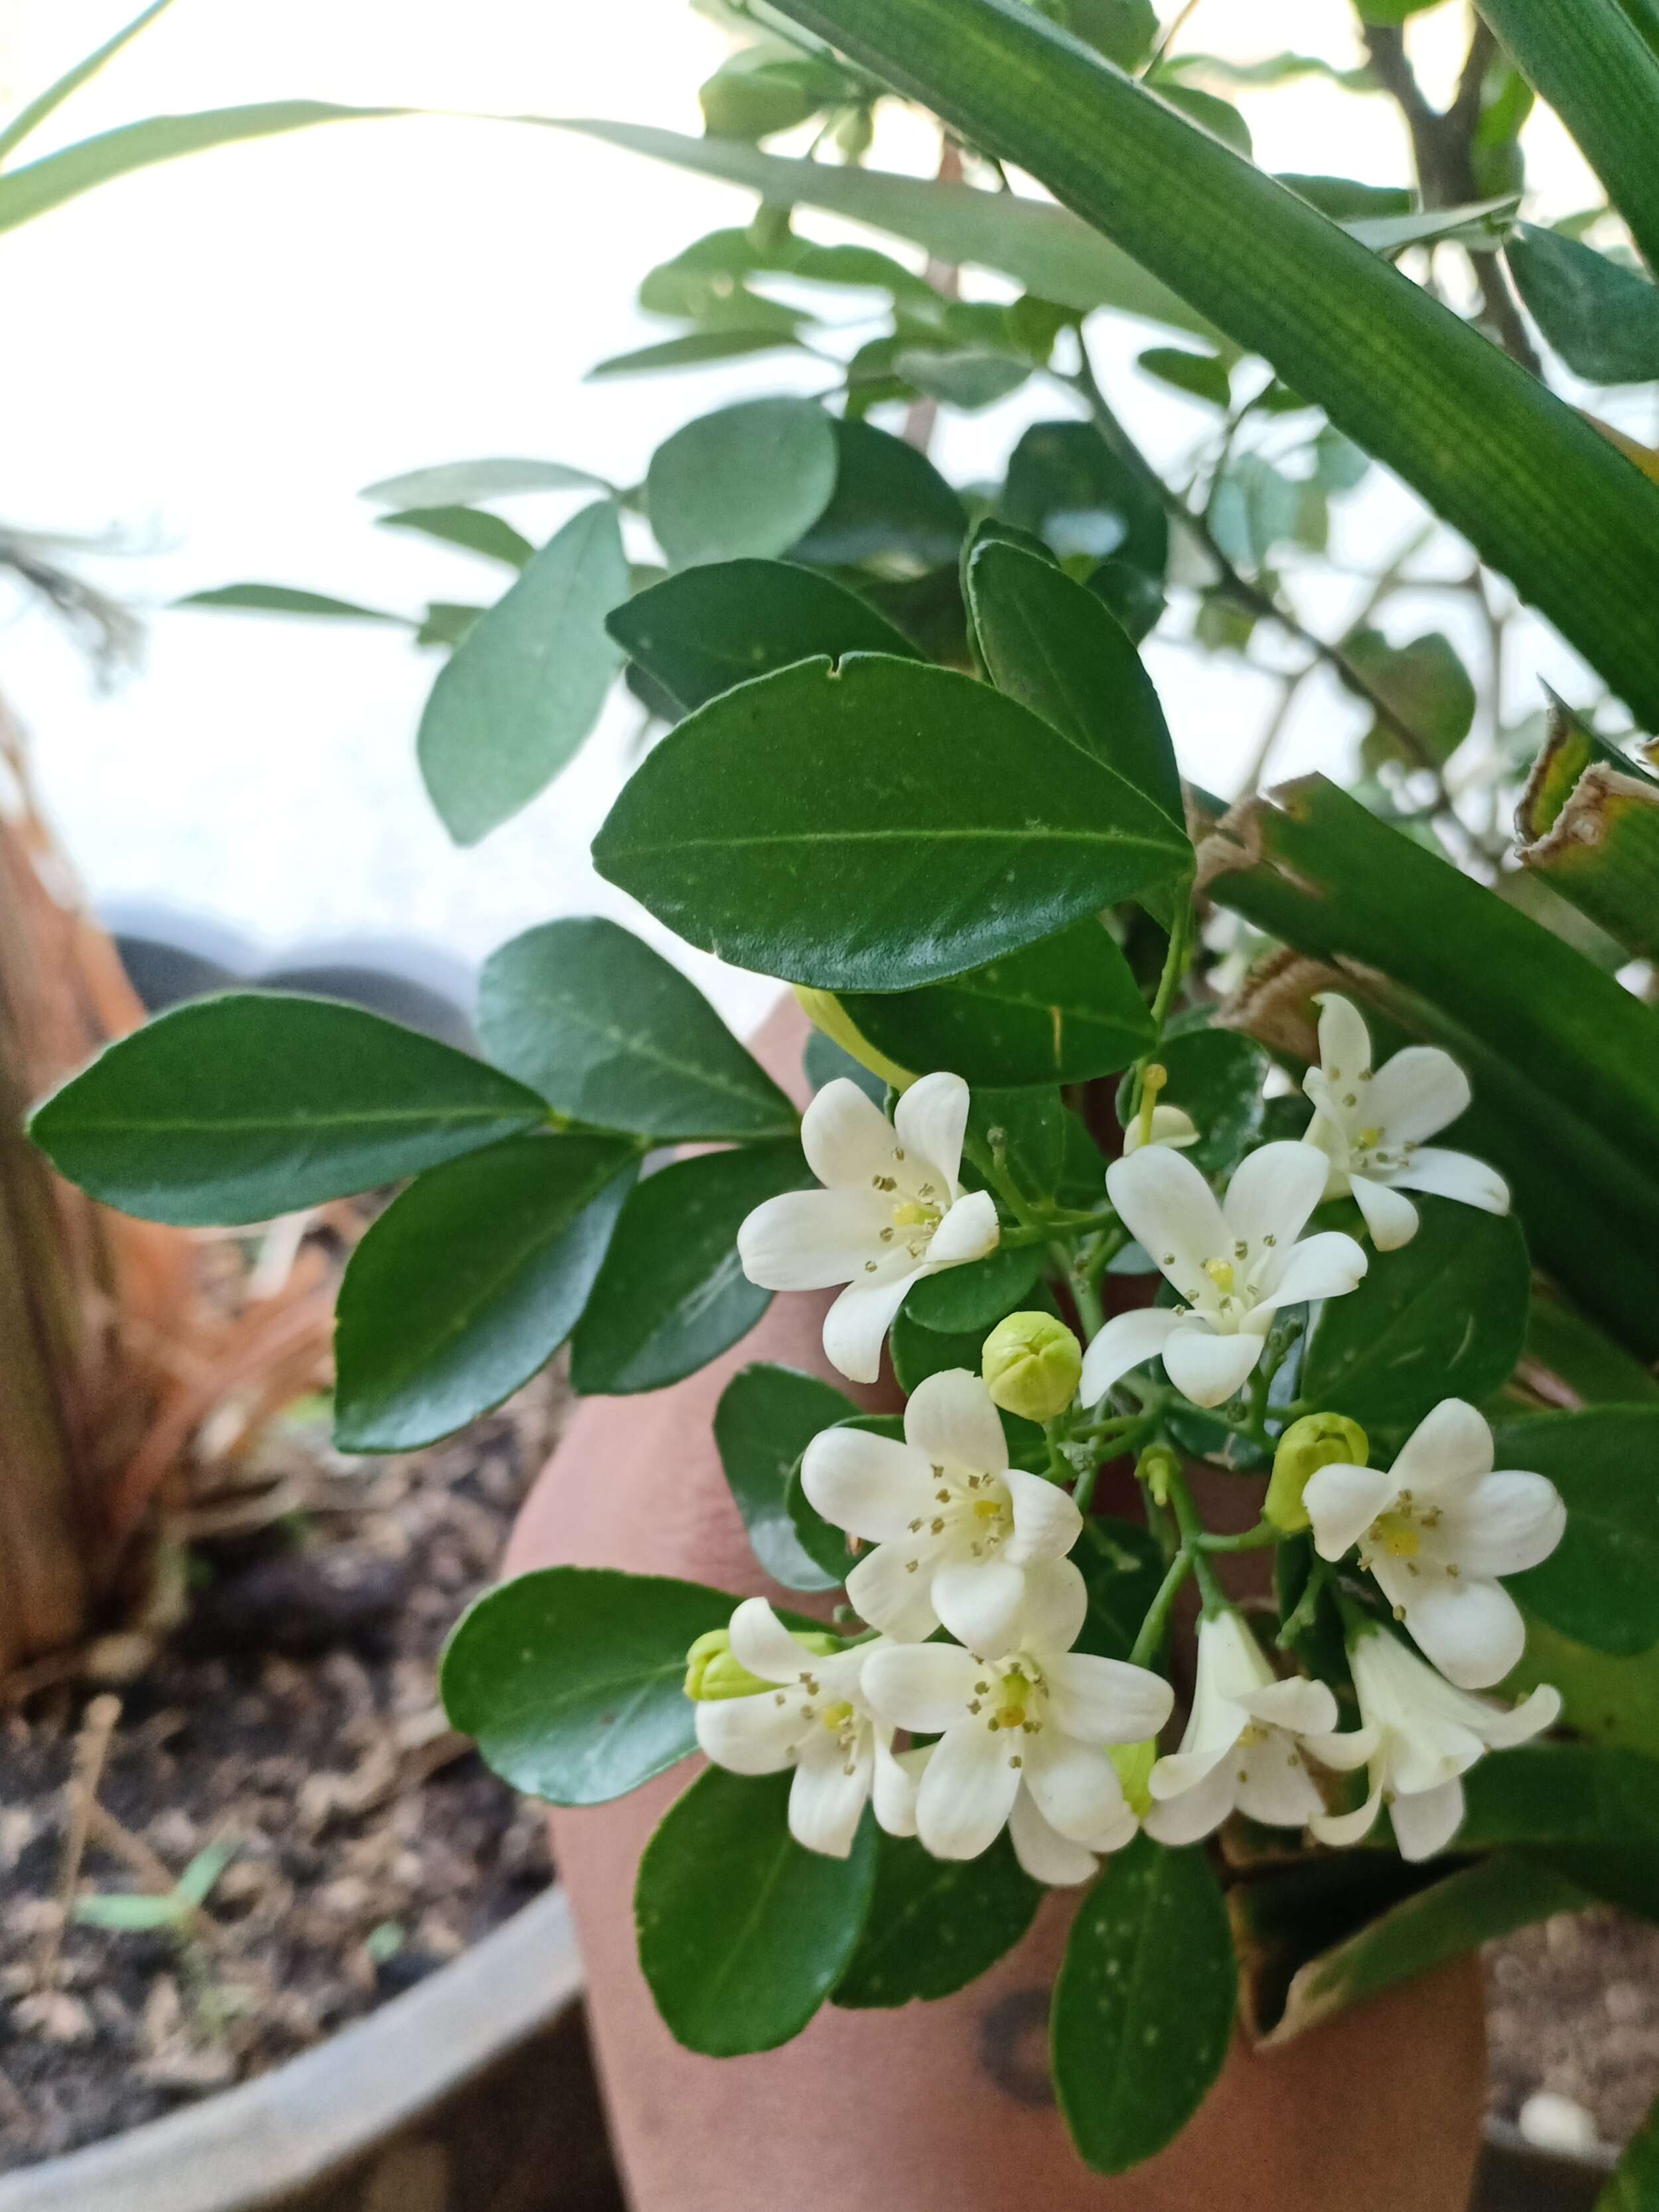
1592, 63
1536, 489
30, 118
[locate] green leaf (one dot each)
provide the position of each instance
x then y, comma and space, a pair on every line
525, 685
1061, 1011
918, 1351
451, 483
1601, 319
1125, 31
1590, 1368
863, 266
126, 1914
936, 1924
195, 1885
1216, 1076
1537, 491
809, 824
1143, 2010
447, 622
1049, 643
469, 1283
1571, 1794
829, 1547
692, 349
971, 1301
1123, 1564
1633, 2185
968, 377
1606, 1701
889, 502
1219, 117
1602, 852
1445, 1317
1201, 375
1067, 486
41, 186
465, 526
29, 118
1600, 1584
1425, 683
747, 480
743, 1935
766, 1418
755, 94
699, 632
282, 599
244, 1107
572, 1679
671, 1295
609, 1032
1339, 197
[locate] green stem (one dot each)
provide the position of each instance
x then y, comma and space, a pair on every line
1003, 1184
1251, 1540
1193, 1534
1174, 966
1150, 1641
1301, 1615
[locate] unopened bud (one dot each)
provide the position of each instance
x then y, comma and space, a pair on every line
1316, 1440
826, 1011
1031, 1364
1156, 1467
712, 1672
1134, 1763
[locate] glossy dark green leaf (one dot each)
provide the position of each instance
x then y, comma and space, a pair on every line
284, 599
936, 1924
694, 349
703, 631
526, 684
1143, 2010
241, 1107
1603, 318
1443, 1316
1633, 2185
766, 1418
1061, 1011
572, 1679
747, 480
469, 1283
1600, 1584
825, 1061
1216, 1077
1067, 486
1052, 644
1125, 31
610, 1032
1122, 1563
671, 1295
450, 484
1129, 595
1342, 196
743, 1935
917, 1350
889, 500
1562, 1793
470, 527
879, 826
1199, 374
961, 1300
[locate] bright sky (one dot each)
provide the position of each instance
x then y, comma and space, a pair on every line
214, 356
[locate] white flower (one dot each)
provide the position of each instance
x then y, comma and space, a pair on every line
1235, 1265
816, 1721
1246, 1743
954, 1526
1370, 1127
1022, 1734
1428, 1733
891, 1211
1170, 1126
1436, 1531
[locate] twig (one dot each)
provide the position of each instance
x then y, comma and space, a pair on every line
110, 1835
91, 1749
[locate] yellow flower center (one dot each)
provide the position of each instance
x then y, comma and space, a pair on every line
1398, 1534
913, 1214
1220, 1273
836, 1716
1367, 1138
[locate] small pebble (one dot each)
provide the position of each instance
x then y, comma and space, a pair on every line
1554, 2123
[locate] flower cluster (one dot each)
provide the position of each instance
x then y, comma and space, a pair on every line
1014, 1725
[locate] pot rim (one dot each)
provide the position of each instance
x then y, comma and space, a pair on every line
260, 2144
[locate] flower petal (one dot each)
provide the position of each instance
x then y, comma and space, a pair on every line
1273, 1192
1326, 1133
1427, 1821
848, 1140
1503, 1523
927, 1686
1046, 1522
749, 1735
952, 1419
1167, 1205
808, 1239
873, 1486
979, 1602
1471, 1630
967, 1793
1055, 1607
1076, 1787
1170, 1126
1417, 1093
827, 1797
1180, 1772
931, 1119
1345, 1043
761, 1643
1046, 1856
1323, 1266
1444, 1454
1207, 1368
895, 1784
1343, 1752
855, 1327
1339, 1829
1530, 1717
1128, 1340
1342, 1502
1182, 1815
1389, 1215
1301, 1705
969, 1232
1454, 1174
1106, 1700
885, 1590
1277, 1789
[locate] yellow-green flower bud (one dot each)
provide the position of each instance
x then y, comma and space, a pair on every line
1134, 1763
826, 1011
712, 1672
1316, 1440
1156, 1467
1031, 1364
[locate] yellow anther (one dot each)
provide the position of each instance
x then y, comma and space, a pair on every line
1398, 1534
913, 1215
1220, 1273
